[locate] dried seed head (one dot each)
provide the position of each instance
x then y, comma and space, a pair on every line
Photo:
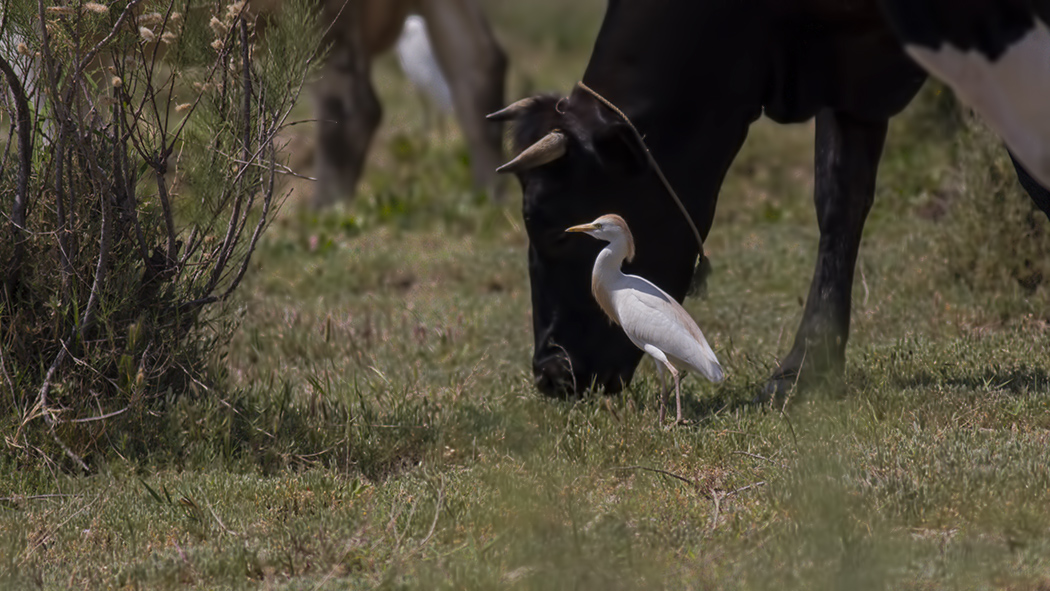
23, 49
182, 107
168, 37
96, 7
146, 34
151, 19
60, 10
218, 27
116, 82
217, 44
235, 9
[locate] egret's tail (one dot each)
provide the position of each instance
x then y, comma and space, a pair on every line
704, 362
711, 370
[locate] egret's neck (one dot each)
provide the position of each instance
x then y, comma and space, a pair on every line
610, 259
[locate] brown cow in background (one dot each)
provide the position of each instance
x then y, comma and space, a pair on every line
346, 105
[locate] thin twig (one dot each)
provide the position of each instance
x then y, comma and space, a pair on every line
743, 488
8, 381
160, 166
437, 513
20, 498
408, 524
105, 240
756, 456
121, 177
216, 516
229, 241
129, 9
716, 498
45, 388
59, 105
47, 535
283, 168
258, 229
658, 471
99, 417
864, 283
60, 209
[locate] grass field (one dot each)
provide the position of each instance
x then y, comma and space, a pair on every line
377, 425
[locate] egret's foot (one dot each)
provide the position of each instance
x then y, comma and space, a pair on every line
663, 408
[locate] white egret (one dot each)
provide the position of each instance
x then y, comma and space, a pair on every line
416, 54
653, 320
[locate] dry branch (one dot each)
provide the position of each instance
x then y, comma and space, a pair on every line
25, 154
125, 329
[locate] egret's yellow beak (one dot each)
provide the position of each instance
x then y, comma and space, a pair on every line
581, 228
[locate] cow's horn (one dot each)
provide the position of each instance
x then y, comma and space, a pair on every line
513, 110
548, 149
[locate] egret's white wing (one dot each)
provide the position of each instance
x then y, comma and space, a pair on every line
650, 316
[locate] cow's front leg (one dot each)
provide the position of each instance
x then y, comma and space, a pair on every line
347, 108
847, 158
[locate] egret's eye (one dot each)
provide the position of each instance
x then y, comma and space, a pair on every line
597, 226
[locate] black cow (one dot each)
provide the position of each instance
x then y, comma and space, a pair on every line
693, 75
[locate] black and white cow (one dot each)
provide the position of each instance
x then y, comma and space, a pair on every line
995, 54
693, 75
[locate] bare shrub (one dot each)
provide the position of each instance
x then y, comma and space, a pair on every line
134, 190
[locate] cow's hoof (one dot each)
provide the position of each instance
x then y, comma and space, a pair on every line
777, 388
784, 383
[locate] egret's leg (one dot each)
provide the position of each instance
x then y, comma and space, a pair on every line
663, 389
661, 360
677, 394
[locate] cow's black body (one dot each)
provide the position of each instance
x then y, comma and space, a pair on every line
693, 75
984, 26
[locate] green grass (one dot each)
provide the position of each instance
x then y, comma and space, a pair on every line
377, 426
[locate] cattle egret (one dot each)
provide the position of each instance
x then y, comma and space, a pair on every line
416, 55
653, 320
576, 154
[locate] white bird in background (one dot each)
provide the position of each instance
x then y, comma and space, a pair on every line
416, 55
653, 320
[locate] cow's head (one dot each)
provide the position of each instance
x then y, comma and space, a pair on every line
578, 160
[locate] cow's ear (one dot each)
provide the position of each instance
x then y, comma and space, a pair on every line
618, 147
